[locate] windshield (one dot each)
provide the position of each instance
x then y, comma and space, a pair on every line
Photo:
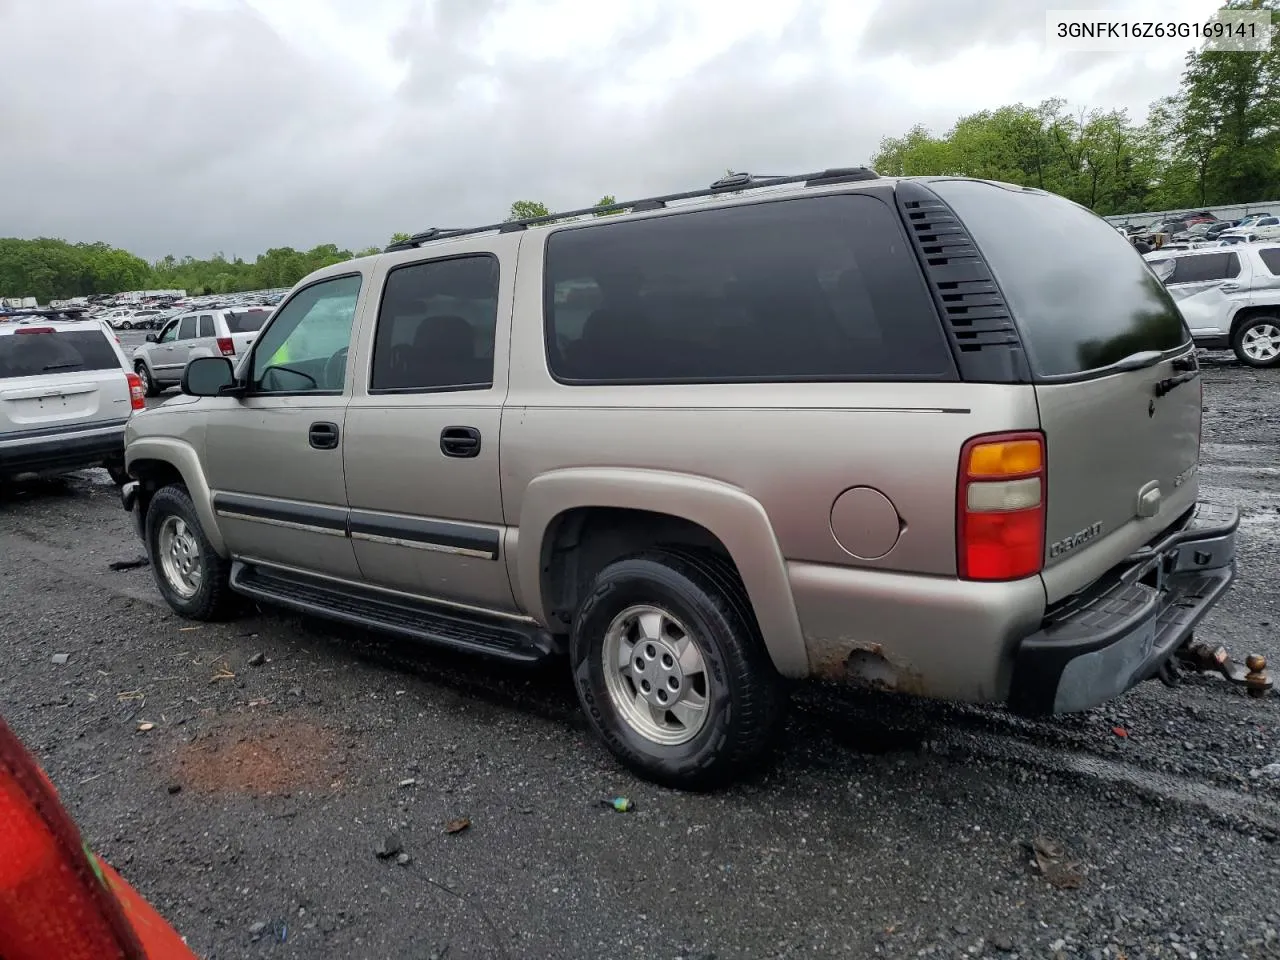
33, 353
1082, 297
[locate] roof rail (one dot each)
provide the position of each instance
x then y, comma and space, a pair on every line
733, 183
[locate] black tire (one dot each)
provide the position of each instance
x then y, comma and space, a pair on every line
1237, 342
213, 599
119, 476
746, 695
148, 384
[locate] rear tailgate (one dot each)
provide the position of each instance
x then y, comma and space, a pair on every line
1116, 378
57, 375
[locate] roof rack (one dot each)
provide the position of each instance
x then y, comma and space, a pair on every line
732, 183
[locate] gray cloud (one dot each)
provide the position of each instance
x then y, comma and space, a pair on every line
167, 129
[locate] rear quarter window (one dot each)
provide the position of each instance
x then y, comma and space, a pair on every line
1081, 296
246, 321
1204, 267
819, 288
45, 354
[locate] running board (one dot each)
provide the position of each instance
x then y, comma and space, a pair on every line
404, 617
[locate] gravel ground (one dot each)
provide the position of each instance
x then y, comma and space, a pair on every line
253, 812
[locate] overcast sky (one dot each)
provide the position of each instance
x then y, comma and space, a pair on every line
193, 126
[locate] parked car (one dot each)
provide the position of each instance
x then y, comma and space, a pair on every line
1261, 228
161, 361
842, 427
1230, 298
135, 319
66, 393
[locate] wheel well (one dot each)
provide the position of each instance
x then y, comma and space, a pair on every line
579, 543
1250, 313
153, 475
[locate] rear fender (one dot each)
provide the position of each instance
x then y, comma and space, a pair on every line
736, 519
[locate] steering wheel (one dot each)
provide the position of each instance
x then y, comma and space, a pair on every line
335, 370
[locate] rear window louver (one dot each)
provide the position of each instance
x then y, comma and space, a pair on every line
981, 330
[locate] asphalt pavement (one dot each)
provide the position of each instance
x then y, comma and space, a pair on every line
301, 807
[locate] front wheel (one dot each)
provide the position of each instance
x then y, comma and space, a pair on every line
1257, 342
671, 670
192, 578
148, 384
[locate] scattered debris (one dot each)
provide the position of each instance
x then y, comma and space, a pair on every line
90, 779
145, 725
621, 804
118, 565
258, 659
1120, 731
1051, 860
175, 788
256, 929
295, 691
408, 782
403, 859
187, 629
60, 658
1271, 771
224, 673
260, 702
389, 847
457, 826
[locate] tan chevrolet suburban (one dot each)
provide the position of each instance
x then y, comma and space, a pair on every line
835, 425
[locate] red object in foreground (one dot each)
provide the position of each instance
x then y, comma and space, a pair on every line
57, 898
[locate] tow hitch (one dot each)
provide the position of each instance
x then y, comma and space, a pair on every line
1203, 658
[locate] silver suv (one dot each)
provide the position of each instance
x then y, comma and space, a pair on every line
1230, 297
201, 333
835, 426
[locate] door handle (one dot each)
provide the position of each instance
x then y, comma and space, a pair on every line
323, 436
1228, 286
460, 442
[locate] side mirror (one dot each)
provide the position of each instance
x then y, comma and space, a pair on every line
151, 338
207, 377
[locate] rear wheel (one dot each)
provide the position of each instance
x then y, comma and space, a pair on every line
671, 670
148, 384
192, 578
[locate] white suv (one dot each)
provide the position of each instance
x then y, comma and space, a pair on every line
201, 333
1230, 297
66, 394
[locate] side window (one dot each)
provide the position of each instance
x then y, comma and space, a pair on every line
821, 288
1204, 267
304, 348
187, 328
206, 325
169, 333
1271, 257
436, 326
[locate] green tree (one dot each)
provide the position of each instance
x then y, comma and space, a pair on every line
398, 238
527, 210
607, 200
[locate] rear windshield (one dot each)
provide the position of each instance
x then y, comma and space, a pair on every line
1081, 295
34, 354
246, 321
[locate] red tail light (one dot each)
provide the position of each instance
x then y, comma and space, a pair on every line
227, 346
52, 902
35, 330
1000, 507
137, 392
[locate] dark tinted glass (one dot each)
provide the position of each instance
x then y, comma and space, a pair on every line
206, 325
436, 326
1081, 296
186, 328
246, 321
40, 354
1271, 257
1205, 266
821, 288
